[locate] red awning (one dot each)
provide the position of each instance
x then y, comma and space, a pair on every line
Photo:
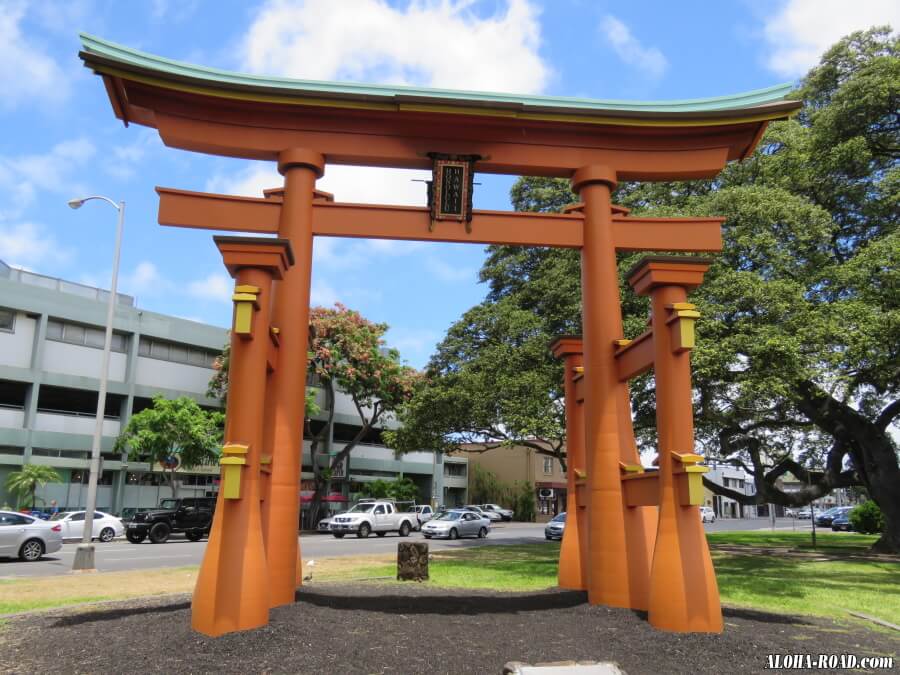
335, 497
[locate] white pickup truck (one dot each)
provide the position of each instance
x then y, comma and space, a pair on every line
377, 515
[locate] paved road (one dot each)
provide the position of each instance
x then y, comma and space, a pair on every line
120, 555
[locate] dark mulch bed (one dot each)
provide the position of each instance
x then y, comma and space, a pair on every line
411, 629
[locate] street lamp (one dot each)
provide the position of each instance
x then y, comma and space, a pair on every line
84, 554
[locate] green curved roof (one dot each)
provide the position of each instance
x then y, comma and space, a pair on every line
111, 58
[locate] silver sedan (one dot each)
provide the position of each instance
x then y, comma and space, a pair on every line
457, 523
27, 538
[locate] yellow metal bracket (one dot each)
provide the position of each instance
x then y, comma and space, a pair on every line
245, 300
681, 323
234, 456
630, 468
687, 466
580, 474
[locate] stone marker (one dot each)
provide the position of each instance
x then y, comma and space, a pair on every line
563, 668
412, 561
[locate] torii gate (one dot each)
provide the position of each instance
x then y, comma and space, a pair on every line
612, 547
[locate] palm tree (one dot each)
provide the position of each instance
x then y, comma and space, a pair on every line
30, 478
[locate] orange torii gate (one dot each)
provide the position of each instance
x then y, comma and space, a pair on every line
614, 550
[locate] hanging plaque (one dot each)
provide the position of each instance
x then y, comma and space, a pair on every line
450, 188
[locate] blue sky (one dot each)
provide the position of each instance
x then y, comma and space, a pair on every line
59, 138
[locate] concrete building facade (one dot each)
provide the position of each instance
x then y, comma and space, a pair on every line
520, 464
51, 341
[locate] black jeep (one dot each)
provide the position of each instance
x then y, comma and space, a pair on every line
192, 516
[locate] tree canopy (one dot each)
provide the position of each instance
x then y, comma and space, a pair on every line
175, 433
29, 478
797, 362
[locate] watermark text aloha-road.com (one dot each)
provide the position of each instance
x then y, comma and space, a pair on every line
826, 661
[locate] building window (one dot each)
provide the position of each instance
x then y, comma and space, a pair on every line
86, 336
176, 352
455, 470
7, 320
548, 465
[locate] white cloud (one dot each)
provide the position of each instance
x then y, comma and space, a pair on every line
414, 344
29, 73
144, 278
27, 245
359, 184
126, 160
436, 43
323, 294
215, 286
446, 272
248, 182
801, 32
23, 177
627, 47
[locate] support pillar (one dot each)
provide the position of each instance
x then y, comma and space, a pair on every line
572, 563
618, 571
285, 396
232, 591
684, 595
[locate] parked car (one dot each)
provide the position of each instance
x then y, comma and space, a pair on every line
27, 538
804, 514
493, 516
105, 527
790, 513
325, 523
841, 523
555, 528
379, 516
191, 515
825, 518
707, 515
505, 514
457, 523
424, 513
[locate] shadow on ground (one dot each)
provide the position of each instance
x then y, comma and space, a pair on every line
452, 603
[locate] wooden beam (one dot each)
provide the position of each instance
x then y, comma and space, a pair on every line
641, 489
413, 222
701, 235
182, 208
636, 357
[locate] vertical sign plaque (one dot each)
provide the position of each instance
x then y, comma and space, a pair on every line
450, 188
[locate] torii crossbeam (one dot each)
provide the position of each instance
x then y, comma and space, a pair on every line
613, 548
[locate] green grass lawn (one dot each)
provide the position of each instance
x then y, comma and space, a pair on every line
846, 542
765, 582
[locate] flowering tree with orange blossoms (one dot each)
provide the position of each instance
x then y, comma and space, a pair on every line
347, 353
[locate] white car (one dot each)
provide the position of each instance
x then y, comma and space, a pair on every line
27, 538
505, 514
707, 515
106, 527
424, 513
492, 516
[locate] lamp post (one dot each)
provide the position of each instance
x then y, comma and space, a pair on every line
84, 554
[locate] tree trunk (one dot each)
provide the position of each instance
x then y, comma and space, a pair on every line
870, 447
320, 483
173, 486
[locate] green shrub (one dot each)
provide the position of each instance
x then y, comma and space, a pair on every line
524, 503
867, 518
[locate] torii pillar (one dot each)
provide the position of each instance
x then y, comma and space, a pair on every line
233, 584
618, 556
684, 595
286, 393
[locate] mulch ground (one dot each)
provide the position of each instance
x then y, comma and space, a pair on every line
411, 628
